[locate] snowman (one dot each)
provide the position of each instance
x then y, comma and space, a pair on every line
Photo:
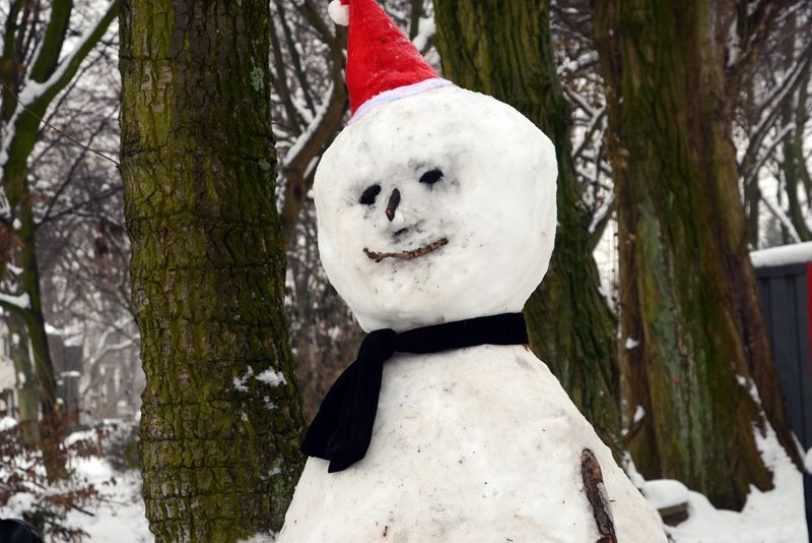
436, 214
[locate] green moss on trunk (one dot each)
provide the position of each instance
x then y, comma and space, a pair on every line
219, 446
688, 293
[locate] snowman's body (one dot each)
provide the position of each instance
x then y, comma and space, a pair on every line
434, 208
475, 445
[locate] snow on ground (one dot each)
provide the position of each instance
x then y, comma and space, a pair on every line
115, 515
119, 517
775, 516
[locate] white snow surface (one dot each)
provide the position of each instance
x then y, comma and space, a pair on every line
662, 493
271, 377
121, 510
639, 413
797, 253
117, 518
774, 516
7, 423
495, 205
475, 445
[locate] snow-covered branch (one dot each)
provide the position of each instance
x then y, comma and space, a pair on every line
582, 103
36, 95
752, 175
782, 217
425, 35
771, 103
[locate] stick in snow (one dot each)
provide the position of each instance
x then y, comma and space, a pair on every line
596, 494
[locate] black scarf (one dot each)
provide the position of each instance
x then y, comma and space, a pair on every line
342, 429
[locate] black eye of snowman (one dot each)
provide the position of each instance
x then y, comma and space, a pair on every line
369, 194
431, 176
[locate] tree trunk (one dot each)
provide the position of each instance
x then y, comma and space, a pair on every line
503, 49
794, 167
221, 419
25, 379
688, 295
22, 113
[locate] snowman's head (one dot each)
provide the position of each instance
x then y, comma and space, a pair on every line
436, 208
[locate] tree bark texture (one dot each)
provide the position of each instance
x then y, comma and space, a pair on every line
691, 320
221, 417
504, 49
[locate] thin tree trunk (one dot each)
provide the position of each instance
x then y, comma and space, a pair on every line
503, 49
22, 118
25, 379
688, 294
221, 418
794, 168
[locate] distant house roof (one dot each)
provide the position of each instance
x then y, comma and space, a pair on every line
798, 253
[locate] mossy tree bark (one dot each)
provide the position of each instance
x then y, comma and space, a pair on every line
688, 293
504, 49
221, 418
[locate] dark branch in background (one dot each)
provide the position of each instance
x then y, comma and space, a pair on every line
79, 205
57, 130
414, 18
281, 84
70, 176
294, 56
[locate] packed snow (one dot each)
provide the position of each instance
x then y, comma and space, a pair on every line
436, 223
474, 206
441, 467
663, 493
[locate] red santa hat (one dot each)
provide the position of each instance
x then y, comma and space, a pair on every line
383, 65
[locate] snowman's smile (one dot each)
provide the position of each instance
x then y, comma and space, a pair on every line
407, 255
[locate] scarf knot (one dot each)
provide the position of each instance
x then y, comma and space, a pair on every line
342, 429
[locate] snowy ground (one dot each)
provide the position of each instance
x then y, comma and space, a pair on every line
119, 517
776, 516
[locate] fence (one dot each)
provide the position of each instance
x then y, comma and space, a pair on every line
784, 277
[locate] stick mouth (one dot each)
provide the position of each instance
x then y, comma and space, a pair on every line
407, 255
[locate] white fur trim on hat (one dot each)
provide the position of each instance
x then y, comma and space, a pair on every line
399, 93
